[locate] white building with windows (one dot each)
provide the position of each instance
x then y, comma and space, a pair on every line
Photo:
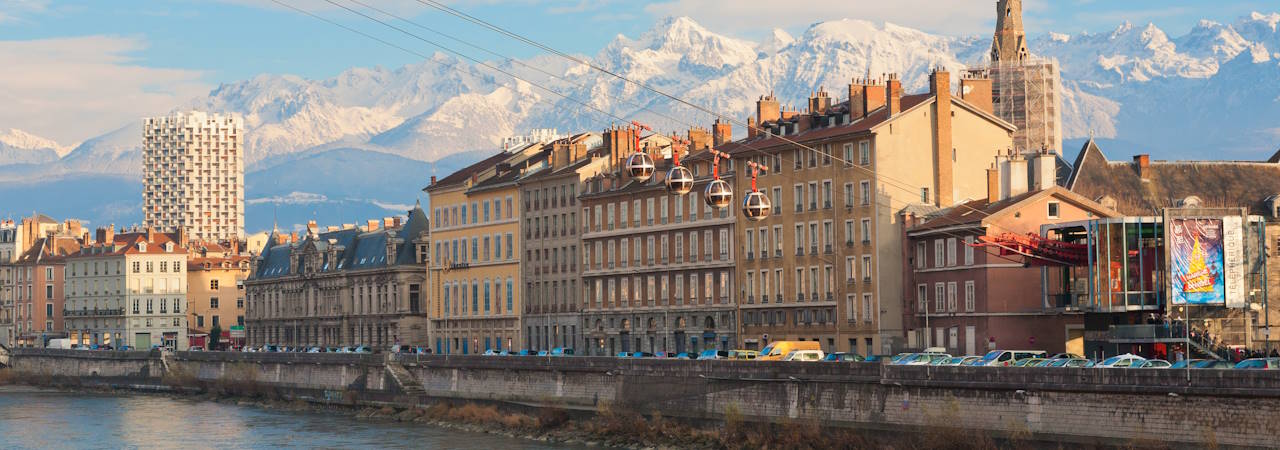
128, 289
193, 173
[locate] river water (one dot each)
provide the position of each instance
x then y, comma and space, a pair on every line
40, 419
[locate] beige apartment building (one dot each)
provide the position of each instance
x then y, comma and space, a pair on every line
476, 264
193, 174
215, 292
827, 264
550, 238
657, 269
128, 289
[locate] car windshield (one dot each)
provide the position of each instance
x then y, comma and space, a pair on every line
767, 350
1111, 361
990, 356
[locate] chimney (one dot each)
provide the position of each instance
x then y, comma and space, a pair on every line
943, 151
387, 223
767, 109
1044, 173
993, 183
721, 132
1142, 164
699, 138
872, 96
819, 102
857, 97
182, 237
371, 225
433, 180
312, 228
751, 127
975, 89
1015, 177
560, 154
893, 95
106, 235
620, 143
293, 237
151, 234
396, 221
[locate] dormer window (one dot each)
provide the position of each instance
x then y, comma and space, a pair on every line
168, 246
142, 246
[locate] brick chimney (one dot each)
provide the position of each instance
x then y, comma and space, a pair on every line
1142, 164
371, 225
767, 109
872, 96
893, 95
721, 132
993, 183
699, 138
151, 234
105, 235
751, 127
433, 179
619, 143
975, 89
940, 87
561, 154
819, 102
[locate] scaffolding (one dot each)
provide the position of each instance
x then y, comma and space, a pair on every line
1026, 93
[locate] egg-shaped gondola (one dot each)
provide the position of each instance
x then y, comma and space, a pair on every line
756, 206
679, 180
718, 194
640, 166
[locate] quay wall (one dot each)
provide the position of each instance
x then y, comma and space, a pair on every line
1087, 406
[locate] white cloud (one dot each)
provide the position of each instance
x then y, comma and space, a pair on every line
70, 89
754, 17
15, 10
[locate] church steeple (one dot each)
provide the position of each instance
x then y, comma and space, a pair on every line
1009, 44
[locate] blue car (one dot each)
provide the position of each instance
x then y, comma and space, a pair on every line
713, 354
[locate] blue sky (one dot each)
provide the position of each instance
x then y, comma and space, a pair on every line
98, 63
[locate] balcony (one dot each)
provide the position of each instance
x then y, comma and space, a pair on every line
750, 256
799, 251
813, 249
826, 249
799, 297
94, 312
1147, 333
831, 297
777, 253
826, 204
813, 296
751, 299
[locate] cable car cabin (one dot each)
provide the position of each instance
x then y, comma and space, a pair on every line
679, 180
718, 194
756, 206
640, 167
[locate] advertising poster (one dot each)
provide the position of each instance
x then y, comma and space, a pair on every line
1233, 261
1196, 261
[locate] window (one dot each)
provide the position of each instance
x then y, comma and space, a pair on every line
137, 267
866, 231
239, 303
799, 197
864, 153
213, 302
924, 195
510, 307
866, 308
866, 267
508, 245
813, 196
968, 296
921, 255
939, 255
777, 240
922, 298
48, 292
951, 252
951, 296
623, 217
724, 245
865, 188
826, 194
486, 211
968, 250
750, 244
1054, 210
826, 154
608, 217
176, 308
848, 194
848, 154
850, 309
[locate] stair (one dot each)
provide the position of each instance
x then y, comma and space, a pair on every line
1204, 350
404, 380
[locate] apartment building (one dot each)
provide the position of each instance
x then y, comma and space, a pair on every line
193, 174
17, 239
8, 254
342, 286
128, 289
970, 297
826, 265
215, 292
657, 269
476, 267
39, 290
550, 238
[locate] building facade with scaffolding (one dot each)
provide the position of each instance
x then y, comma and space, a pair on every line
1026, 93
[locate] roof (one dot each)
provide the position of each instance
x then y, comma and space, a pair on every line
864, 125
44, 252
350, 249
197, 264
980, 212
128, 244
465, 173
1217, 183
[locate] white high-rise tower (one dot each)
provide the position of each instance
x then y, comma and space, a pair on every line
193, 171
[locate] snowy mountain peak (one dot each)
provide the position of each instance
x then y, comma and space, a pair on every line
1272, 19
777, 40
22, 140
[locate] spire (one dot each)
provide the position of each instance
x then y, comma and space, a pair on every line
1009, 43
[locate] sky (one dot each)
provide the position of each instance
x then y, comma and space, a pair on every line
76, 69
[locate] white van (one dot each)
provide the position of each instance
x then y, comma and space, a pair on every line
804, 355
1008, 357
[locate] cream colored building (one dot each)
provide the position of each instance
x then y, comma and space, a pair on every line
476, 263
215, 290
827, 264
193, 174
128, 289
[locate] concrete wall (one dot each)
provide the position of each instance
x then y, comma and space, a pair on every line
1078, 405
135, 367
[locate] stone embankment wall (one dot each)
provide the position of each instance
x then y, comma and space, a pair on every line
1224, 407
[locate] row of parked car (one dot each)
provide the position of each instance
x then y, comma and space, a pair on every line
1036, 358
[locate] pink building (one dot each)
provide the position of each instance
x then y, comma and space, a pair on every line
965, 295
38, 295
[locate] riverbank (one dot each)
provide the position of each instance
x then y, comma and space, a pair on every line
604, 427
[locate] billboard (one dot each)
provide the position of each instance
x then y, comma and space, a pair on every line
1197, 267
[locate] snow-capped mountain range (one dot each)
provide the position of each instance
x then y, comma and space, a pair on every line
1212, 92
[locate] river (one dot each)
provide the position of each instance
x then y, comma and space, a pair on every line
41, 419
